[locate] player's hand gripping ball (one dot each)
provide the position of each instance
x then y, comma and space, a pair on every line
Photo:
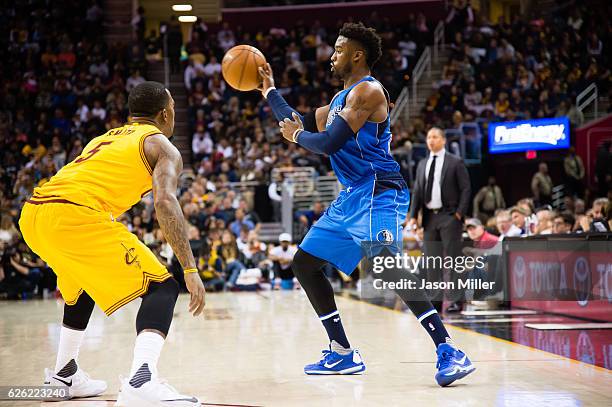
240, 67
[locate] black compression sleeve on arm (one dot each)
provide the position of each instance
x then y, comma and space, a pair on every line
280, 107
310, 122
328, 141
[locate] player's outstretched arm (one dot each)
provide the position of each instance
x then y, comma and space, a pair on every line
279, 105
167, 164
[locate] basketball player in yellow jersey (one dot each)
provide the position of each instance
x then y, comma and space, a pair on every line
70, 223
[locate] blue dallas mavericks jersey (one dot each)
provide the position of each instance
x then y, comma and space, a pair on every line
368, 152
367, 216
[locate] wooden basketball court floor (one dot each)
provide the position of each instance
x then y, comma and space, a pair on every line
249, 350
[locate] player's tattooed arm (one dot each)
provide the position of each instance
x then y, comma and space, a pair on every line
365, 102
167, 165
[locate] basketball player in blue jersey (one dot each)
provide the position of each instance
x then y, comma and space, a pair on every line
354, 130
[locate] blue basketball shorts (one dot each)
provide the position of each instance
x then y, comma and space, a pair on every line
365, 219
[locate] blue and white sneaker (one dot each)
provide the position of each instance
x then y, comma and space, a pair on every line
452, 364
335, 363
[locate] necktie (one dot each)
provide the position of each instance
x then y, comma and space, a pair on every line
430, 180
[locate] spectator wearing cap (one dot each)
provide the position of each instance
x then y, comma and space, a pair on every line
563, 223
477, 233
483, 243
282, 257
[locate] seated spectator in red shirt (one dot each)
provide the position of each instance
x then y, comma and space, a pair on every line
481, 238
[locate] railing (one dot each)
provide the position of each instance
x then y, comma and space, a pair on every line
287, 208
325, 191
402, 102
301, 188
586, 97
401, 105
423, 64
438, 40
301, 180
558, 193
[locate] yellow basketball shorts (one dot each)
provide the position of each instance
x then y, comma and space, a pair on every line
90, 252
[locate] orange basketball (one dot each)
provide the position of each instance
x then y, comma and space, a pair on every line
239, 67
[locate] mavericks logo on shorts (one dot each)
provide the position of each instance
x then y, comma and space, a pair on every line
385, 237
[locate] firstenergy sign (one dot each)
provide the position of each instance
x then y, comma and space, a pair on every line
540, 134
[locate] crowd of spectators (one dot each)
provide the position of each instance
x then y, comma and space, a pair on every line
537, 214
526, 219
61, 85
519, 70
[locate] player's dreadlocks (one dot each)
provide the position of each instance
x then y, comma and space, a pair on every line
367, 37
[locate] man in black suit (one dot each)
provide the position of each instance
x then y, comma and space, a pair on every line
442, 192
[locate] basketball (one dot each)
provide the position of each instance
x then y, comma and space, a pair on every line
239, 67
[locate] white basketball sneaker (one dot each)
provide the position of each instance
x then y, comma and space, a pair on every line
155, 392
79, 383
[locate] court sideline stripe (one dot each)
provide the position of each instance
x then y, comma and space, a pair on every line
494, 361
78, 400
458, 328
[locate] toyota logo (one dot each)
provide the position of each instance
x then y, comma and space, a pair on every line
519, 277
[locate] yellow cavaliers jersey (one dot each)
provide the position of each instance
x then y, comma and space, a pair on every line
111, 174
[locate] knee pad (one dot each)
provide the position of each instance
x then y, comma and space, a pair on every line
304, 262
169, 288
158, 306
77, 316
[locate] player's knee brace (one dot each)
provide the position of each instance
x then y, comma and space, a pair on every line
304, 265
158, 306
77, 316
307, 269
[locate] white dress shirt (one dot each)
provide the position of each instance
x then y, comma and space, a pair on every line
436, 193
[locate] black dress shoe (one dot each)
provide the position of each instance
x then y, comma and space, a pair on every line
454, 308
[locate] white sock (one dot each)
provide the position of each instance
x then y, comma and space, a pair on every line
336, 347
146, 350
69, 345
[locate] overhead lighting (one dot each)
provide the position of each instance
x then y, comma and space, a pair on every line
182, 7
187, 19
